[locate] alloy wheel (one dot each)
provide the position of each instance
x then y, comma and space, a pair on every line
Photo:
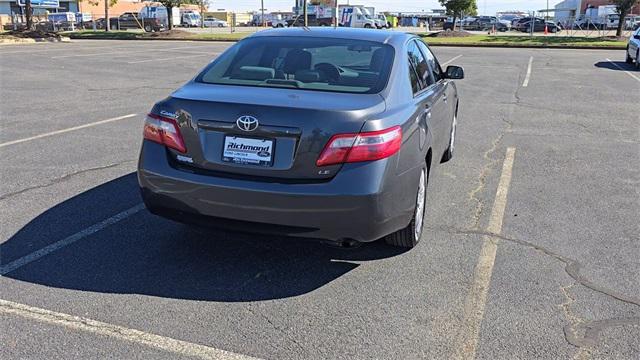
419, 215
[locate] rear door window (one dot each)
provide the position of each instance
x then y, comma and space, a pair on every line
419, 61
432, 61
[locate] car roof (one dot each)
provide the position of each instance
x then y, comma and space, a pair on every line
382, 36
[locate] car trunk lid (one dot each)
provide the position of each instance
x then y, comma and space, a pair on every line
293, 128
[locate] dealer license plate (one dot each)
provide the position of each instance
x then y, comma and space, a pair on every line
250, 151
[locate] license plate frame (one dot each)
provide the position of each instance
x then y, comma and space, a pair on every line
248, 155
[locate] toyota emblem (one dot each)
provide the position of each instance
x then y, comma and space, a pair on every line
247, 123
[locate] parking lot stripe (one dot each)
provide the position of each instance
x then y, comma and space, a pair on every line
57, 132
528, 76
451, 60
16, 264
129, 52
477, 297
623, 69
172, 58
119, 332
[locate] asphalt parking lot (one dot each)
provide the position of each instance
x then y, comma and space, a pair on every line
532, 248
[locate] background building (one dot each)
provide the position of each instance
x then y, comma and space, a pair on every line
571, 9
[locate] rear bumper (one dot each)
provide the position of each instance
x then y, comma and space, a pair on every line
359, 203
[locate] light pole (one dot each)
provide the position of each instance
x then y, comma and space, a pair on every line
306, 16
262, 10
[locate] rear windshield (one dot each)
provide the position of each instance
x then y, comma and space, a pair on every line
320, 64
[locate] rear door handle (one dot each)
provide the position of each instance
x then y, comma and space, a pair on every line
427, 111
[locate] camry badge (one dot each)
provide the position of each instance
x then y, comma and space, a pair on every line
247, 123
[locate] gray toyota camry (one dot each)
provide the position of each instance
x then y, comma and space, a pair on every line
323, 133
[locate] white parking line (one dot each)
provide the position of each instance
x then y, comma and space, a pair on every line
179, 347
452, 60
130, 51
477, 297
172, 58
13, 142
623, 69
16, 264
528, 77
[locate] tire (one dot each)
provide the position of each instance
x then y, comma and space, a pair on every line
410, 236
220, 25
638, 59
448, 154
147, 28
367, 26
629, 59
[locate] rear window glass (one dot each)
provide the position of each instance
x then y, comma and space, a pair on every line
320, 64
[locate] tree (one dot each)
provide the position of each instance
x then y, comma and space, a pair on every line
170, 4
623, 8
29, 14
107, 4
458, 7
202, 6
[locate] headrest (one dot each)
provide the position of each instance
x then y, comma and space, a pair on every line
308, 76
255, 73
295, 60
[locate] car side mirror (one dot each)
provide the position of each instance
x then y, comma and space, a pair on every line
455, 72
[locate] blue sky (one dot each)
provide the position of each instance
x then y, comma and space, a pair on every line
484, 6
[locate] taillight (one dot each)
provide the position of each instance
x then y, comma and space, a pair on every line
366, 146
164, 131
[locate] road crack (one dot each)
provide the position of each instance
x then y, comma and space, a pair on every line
279, 329
590, 330
62, 179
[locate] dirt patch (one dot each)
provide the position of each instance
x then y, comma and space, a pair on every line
450, 34
169, 34
31, 34
615, 38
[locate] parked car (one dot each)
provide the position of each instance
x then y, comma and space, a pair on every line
312, 20
213, 22
485, 24
633, 49
633, 22
519, 24
319, 133
279, 23
131, 20
382, 21
539, 25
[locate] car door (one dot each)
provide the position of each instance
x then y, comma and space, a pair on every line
417, 138
634, 43
441, 113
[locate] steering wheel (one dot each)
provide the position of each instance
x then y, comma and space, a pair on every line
331, 71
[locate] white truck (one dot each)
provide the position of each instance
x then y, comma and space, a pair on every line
357, 17
190, 18
596, 17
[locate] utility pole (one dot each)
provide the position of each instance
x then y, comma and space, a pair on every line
262, 10
306, 16
335, 16
547, 10
106, 16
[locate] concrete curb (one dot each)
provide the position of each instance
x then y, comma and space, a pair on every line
508, 46
15, 41
155, 39
516, 46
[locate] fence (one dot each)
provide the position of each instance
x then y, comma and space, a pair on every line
598, 26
